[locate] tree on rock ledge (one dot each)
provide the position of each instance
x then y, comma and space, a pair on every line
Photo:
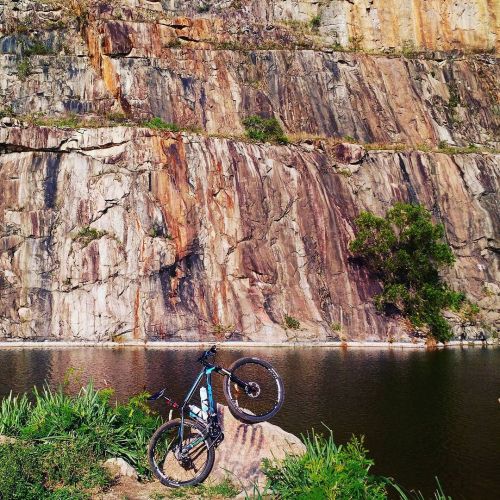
406, 250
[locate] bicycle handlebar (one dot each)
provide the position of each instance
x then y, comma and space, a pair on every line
207, 354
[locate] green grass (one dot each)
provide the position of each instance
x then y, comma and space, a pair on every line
439, 494
224, 489
50, 470
62, 440
325, 471
444, 147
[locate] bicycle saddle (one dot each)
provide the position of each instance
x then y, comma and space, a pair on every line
157, 395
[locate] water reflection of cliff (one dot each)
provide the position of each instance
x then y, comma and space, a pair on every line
423, 413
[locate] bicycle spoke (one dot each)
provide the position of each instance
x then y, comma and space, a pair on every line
264, 394
171, 464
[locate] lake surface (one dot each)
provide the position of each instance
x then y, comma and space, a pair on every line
423, 414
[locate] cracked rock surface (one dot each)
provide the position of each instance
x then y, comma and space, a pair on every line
194, 237
126, 233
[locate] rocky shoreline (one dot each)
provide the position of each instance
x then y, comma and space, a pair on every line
237, 345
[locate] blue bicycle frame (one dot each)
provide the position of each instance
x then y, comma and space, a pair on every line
212, 423
212, 410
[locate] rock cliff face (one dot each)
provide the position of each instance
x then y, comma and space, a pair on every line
202, 74
129, 233
197, 237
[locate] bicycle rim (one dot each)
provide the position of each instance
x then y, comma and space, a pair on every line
181, 470
267, 394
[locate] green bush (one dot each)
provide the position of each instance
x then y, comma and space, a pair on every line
36, 48
7, 111
88, 234
65, 469
24, 68
291, 322
316, 21
203, 7
405, 250
264, 129
325, 471
158, 124
89, 419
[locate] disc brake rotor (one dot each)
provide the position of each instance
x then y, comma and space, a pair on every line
254, 389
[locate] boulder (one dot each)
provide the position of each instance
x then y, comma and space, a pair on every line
120, 468
240, 455
349, 153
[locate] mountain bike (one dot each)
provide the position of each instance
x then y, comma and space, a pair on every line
182, 451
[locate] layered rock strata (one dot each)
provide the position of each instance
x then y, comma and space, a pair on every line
127, 233
200, 74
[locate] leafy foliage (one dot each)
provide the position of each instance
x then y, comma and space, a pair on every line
291, 322
325, 471
88, 234
50, 470
158, 124
405, 250
264, 129
316, 21
36, 48
24, 68
87, 420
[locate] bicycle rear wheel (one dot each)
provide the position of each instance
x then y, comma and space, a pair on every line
266, 395
169, 466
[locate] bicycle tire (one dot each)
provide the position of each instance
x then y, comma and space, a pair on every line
162, 431
243, 413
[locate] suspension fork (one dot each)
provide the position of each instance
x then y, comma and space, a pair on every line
240, 383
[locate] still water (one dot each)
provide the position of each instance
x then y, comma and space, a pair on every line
423, 414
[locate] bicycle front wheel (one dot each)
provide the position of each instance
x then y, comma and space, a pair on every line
172, 466
266, 392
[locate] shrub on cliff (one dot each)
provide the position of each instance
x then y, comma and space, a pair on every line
264, 129
158, 124
405, 250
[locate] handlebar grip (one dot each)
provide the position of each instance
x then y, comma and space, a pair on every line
207, 353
